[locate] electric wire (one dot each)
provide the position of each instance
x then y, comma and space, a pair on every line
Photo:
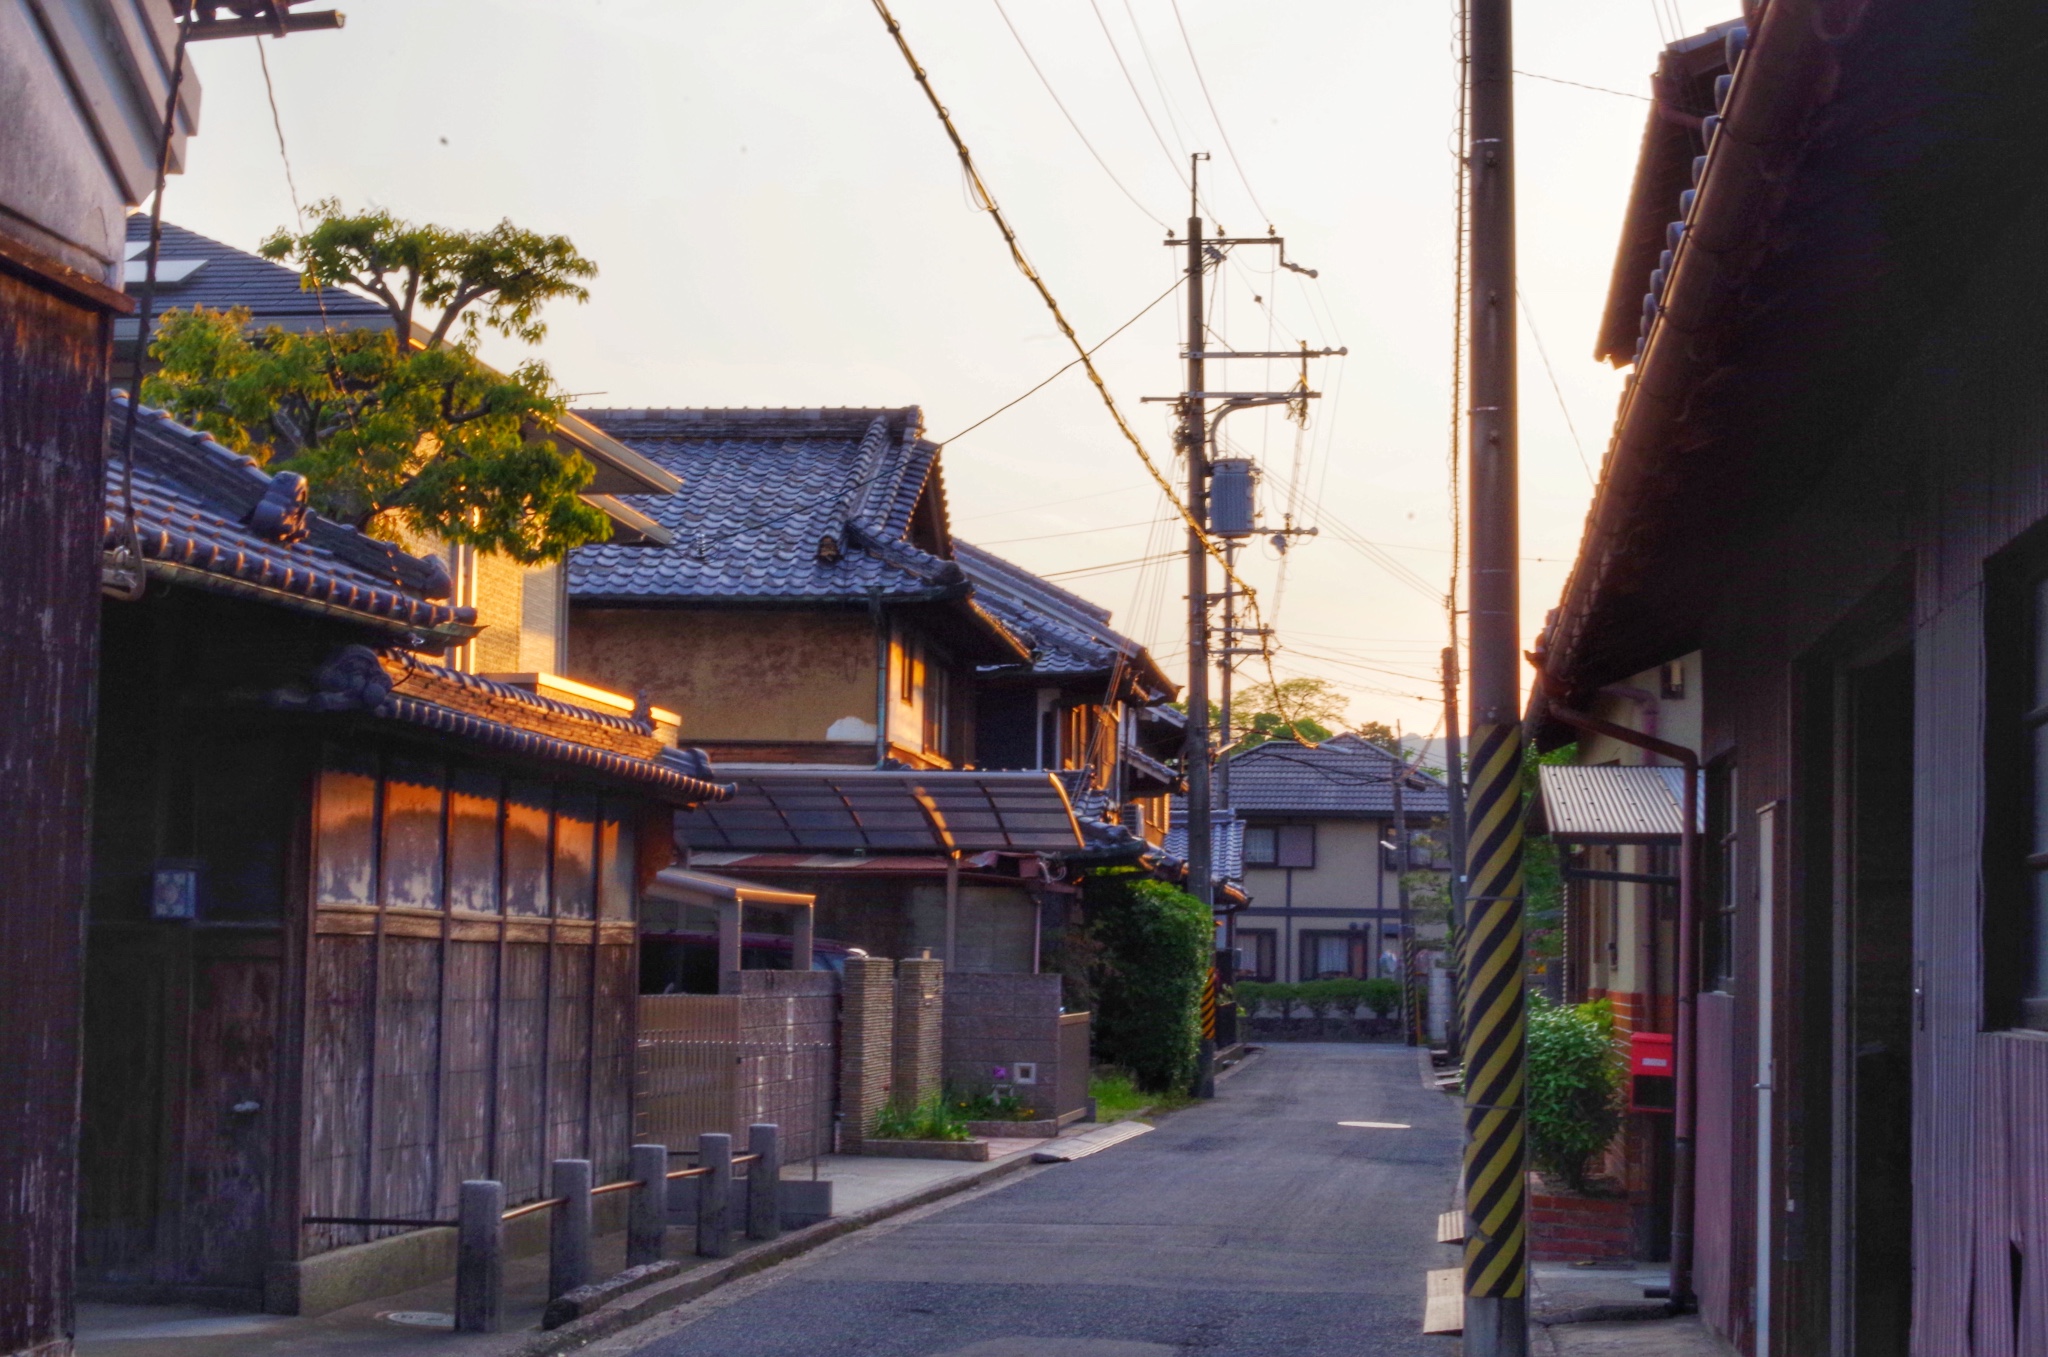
1537, 335
277, 124
1071, 122
1143, 107
1070, 365
1221, 131
1581, 85
1158, 85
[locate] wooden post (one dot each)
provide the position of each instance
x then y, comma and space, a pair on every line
764, 1182
569, 1231
952, 911
647, 1215
714, 1192
800, 942
480, 1258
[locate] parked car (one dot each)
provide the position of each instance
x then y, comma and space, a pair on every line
687, 963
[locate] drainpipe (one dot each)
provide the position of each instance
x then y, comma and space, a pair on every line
1683, 1185
881, 676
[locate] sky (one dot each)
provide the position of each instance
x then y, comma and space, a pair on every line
779, 220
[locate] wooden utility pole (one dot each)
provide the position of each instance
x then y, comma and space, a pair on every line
1194, 439
1496, 1083
1454, 785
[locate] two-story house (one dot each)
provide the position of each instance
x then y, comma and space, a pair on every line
1326, 889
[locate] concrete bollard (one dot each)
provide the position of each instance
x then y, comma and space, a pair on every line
647, 1215
764, 1182
714, 1191
569, 1231
480, 1258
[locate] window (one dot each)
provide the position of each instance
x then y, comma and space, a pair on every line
1258, 950
1280, 846
2016, 770
1336, 956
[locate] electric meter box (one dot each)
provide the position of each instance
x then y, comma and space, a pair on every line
1232, 483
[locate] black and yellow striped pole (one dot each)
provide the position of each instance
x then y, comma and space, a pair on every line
1491, 998
1205, 1065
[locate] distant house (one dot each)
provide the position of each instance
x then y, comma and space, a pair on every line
361, 925
1324, 883
523, 610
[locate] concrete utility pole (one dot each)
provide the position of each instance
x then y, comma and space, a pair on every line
1496, 1083
1194, 436
1454, 784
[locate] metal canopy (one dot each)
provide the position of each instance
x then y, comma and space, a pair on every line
1610, 803
890, 812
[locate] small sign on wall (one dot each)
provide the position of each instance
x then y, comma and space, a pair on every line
1026, 1072
174, 891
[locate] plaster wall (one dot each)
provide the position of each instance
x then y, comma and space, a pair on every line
736, 674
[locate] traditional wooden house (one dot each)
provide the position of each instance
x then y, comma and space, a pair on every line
82, 101
523, 609
361, 925
1828, 479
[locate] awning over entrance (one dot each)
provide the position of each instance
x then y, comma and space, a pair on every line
1611, 803
889, 812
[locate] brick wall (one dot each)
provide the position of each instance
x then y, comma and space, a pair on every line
997, 1022
1568, 1229
920, 1008
867, 1013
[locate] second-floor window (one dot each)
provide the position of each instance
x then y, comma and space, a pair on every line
2015, 938
1280, 846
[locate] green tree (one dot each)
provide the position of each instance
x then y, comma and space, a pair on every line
1155, 961
1576, 1071
1307, 709
403, 427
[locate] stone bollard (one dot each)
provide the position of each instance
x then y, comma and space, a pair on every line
569, 1231
764, 1182
480, 1258
647, 1215
714, 1194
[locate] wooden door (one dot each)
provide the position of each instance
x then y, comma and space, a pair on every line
229, 1116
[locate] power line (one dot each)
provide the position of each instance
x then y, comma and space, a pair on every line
1544, 354
1107, 567
1059, 104
1165, 102
1581, 85
277, 123
1075, 532
1175, 287
1217, 117
1143, 108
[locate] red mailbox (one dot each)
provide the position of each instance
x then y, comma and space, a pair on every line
1652, 1070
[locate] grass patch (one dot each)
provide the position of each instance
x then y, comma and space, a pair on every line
1118, 1098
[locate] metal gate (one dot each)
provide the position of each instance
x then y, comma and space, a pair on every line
720, 1062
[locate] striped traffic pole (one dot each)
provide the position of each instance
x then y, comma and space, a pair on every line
1205, 1067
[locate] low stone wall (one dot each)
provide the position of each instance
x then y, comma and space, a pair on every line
1268, 1029
998, 1022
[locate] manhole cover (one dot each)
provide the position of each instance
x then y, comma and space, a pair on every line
419, 1319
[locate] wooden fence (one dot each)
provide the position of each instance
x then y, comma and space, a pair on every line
722, 1062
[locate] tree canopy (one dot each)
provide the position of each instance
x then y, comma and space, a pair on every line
1306, 709
397, 427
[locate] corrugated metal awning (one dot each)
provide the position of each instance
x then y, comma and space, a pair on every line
1611, 803
889, 812
686, 887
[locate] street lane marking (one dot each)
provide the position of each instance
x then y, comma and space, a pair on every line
1379, 1125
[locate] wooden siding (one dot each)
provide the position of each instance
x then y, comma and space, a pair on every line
1714, 1218
53, 357
1935, 476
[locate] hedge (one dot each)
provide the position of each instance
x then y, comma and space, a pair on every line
1154, 962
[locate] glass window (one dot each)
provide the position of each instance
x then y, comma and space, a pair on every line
1296, 846
1261, 846
345, 851
473, 841
1722, 878
618, 862
1257, 950
527, 849
575, 853
414, 809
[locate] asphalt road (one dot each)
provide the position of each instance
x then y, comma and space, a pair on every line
1253, 1226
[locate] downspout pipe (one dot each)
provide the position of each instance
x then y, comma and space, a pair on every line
1683, 1186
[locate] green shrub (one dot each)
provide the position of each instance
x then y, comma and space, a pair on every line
929, 1119
1155, 960
1258, 996
1575, 1084
988, 1106
1382, 995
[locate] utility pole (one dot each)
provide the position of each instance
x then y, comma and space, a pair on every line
1496, 1077
1194, 441
1401, 857
1454, 784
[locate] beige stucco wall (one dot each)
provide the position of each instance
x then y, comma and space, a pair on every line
736, 674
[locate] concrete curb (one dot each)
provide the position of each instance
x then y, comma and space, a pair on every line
667, 1294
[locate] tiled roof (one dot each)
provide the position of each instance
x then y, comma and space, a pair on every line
229, 277
1069, 636
781, 505
1226, 841
214, 519
1346, 775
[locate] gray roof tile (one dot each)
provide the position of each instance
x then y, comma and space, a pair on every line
231, 277
1069, 635
765, 489
1346, 775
